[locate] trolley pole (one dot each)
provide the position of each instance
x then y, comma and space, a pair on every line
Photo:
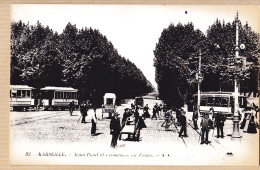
199, 81
236, 120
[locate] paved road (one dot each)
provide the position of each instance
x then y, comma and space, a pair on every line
57, 129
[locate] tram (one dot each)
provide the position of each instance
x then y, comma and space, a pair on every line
21, 97
57, 98
221, 102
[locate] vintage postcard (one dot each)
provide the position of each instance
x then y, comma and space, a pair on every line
165, 85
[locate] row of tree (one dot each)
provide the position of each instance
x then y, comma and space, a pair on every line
79, 58
176, 60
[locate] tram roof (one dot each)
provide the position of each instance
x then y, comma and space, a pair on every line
25, 87
59, 88
215, 93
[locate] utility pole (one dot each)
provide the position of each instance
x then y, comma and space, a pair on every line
199, 81
236, 118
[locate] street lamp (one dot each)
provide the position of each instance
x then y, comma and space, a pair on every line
199, 78
238, 68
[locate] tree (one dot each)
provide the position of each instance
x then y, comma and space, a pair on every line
224, 35
175, 52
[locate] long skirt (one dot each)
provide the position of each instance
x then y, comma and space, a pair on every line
93, 128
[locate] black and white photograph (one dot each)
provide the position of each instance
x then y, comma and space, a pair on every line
166, 85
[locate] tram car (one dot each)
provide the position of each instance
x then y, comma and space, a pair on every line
109, 106
21, 97
58, 98
221, 102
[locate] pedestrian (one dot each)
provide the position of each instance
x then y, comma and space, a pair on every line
71, 107
132, 106
178, 115
154, 112
126, 115
211, 113
93, 117
164, 108
115, 129
182, 120
83, 110
251, 126
195, 117
246, 117
220, 119
146, 111
160, 107
205, 123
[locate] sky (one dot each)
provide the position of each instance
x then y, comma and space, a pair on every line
134, 30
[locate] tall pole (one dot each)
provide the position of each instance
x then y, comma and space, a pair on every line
236, 133
199, 81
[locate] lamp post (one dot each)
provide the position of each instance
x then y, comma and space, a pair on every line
236, 118
199, 81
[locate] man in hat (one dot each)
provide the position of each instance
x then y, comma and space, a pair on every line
205, 128
126, 115
154, 112
93, 117
182, 120
146, 111
71, 107
220, 119
83, 110
115, 129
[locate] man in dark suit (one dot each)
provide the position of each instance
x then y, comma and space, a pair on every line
115, 129
220, 119
182, 120
205, 126
71, 107
83, 110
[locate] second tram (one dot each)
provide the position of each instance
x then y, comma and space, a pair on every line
57, 98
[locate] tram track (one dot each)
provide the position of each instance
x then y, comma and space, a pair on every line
32, 119
181, 136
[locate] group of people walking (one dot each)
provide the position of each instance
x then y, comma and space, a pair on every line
217, 120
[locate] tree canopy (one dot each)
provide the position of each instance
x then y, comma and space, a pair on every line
176, 60
79, 58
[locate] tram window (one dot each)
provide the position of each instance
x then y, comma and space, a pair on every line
19, 93
13, 94
109, 101
28, 94
210, 101
65, 95
73, 95
203, 101
224, 102
70, 95
217, 101
57, 95
23, 93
